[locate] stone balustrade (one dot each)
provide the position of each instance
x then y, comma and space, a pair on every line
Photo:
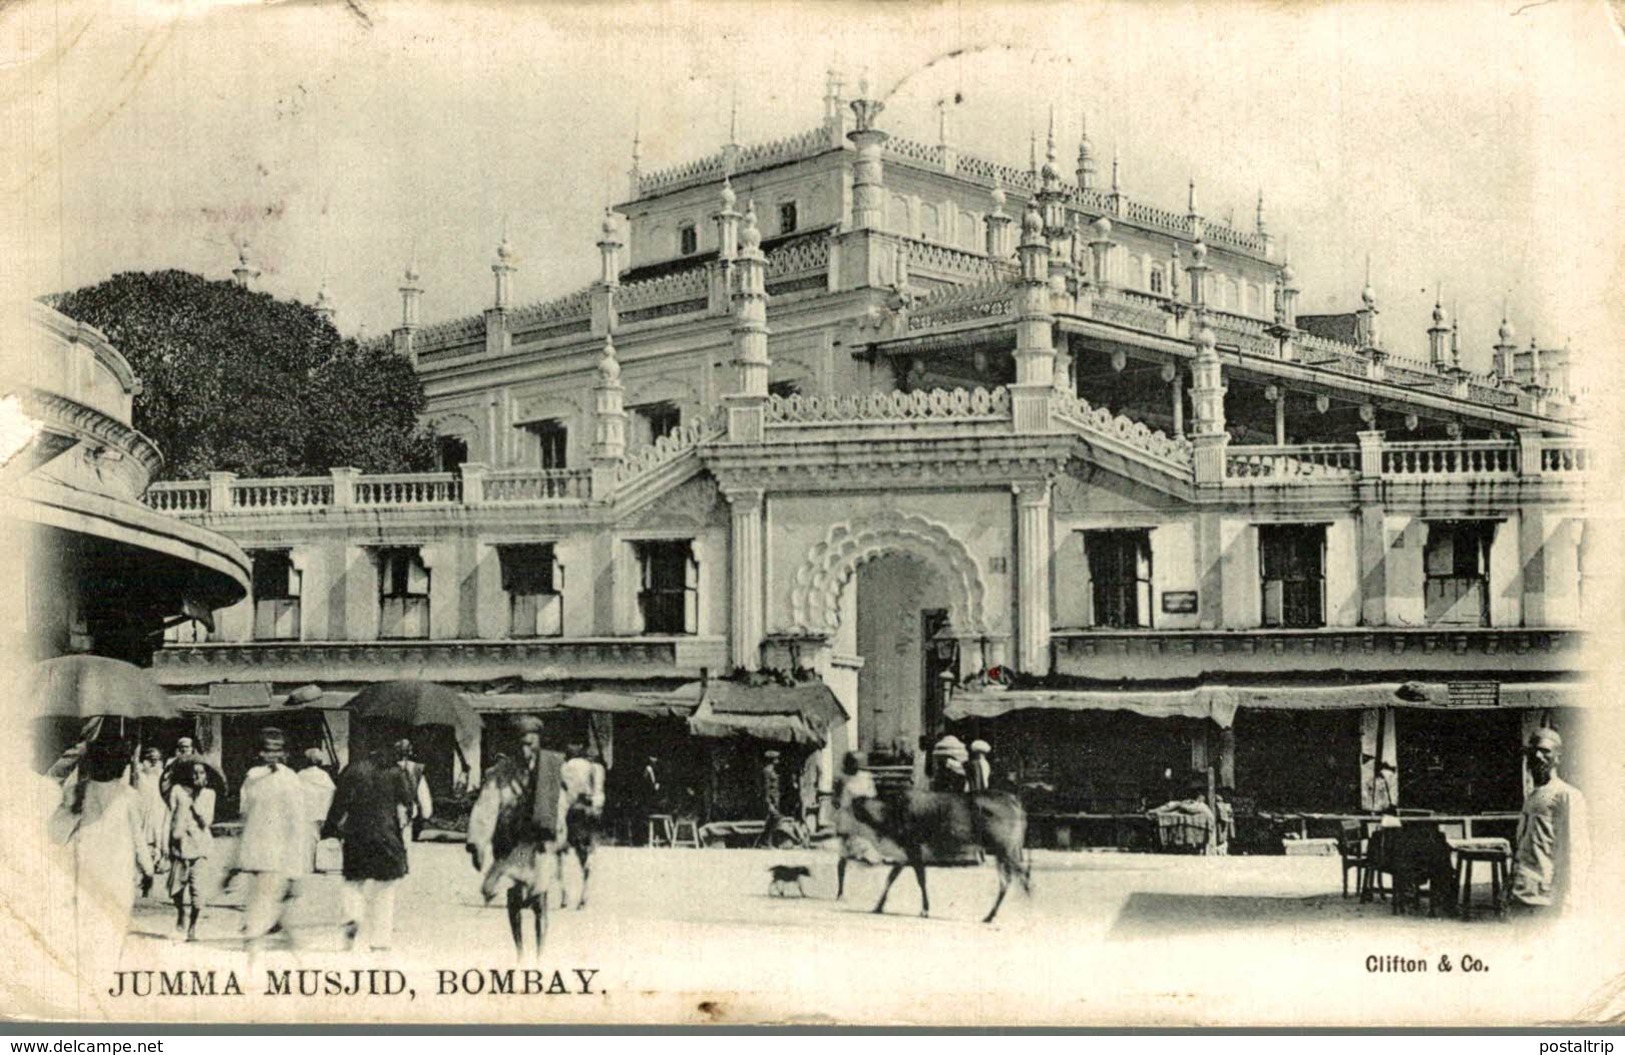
1563, 454
347, 488
692, 284
1293, 462
1530, 455
1072, 409
670, 447
1477, 458
929, 257
537, 485
800, 257
957, 404
409, 489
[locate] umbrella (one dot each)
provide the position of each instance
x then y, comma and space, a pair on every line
417, 703
91, 686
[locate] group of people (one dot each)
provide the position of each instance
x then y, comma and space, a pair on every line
378, 803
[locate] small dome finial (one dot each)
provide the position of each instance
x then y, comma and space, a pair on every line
1031, 222
728, 195
1368, 295
999, 197
608, 226
751, 236
609, 368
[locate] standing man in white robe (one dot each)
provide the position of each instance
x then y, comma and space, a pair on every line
275, 845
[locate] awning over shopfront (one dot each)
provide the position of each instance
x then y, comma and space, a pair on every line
1219, 703
647, 704
798, 714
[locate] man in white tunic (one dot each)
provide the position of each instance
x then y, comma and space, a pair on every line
1553, 849
275, 845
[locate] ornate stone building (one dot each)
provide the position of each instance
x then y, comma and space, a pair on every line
101, 572
990, 449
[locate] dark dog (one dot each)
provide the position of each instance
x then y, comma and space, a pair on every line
784, 875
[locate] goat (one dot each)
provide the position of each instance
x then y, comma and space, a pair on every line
508, 848
945, 825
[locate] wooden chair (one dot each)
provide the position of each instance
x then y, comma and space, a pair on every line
1496, 853
1351, 848
660, 829
685, 831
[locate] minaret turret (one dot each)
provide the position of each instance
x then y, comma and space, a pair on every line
1439, 336
609, 422
746, 403
411, 296
1504, 348
502, 269
868, 170
1086, 161
998, 221
1369, 335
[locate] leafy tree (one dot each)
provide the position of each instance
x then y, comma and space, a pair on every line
235, 380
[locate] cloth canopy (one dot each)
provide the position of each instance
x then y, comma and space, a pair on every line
648, 704
1219, 702
799, 714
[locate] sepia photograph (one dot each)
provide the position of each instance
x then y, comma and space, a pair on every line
956, 514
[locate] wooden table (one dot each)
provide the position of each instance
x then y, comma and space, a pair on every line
1371, 820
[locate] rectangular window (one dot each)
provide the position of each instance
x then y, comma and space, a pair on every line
534, 584
787, 217
551, 442
1456, 569
1120, 577
658, 419
276, 596
783, 389
688, 240
452, 453
669, 598
403, 593
1292, 562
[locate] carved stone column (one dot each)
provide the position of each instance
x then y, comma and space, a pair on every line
748, 577
1032, 582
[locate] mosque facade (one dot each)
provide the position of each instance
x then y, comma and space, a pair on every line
993, 450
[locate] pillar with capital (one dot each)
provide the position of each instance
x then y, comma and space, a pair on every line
748, 576
1032, 581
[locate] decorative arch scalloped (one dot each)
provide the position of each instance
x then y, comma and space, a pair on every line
816, 593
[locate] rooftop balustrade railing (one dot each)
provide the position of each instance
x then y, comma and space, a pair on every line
225, 493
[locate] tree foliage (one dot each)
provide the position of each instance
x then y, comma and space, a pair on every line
235, 380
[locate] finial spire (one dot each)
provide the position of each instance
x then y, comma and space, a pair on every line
1190, 198
1258, 222
1032, 152
1117, 158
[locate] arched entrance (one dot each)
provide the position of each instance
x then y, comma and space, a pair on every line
893, 594
903, 633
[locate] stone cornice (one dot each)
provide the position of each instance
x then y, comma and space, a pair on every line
992, 460
92, 426
535, 659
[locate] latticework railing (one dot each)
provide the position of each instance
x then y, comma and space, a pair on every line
941, 404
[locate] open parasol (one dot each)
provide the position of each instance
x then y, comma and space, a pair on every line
94, 686
417, 703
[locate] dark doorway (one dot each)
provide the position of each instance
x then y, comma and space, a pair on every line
1300, 761
1459, 761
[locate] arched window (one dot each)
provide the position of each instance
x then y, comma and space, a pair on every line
688, 238
1157, 285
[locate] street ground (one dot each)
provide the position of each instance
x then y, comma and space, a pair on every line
694, 936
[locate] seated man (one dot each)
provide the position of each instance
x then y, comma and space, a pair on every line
1419, 853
